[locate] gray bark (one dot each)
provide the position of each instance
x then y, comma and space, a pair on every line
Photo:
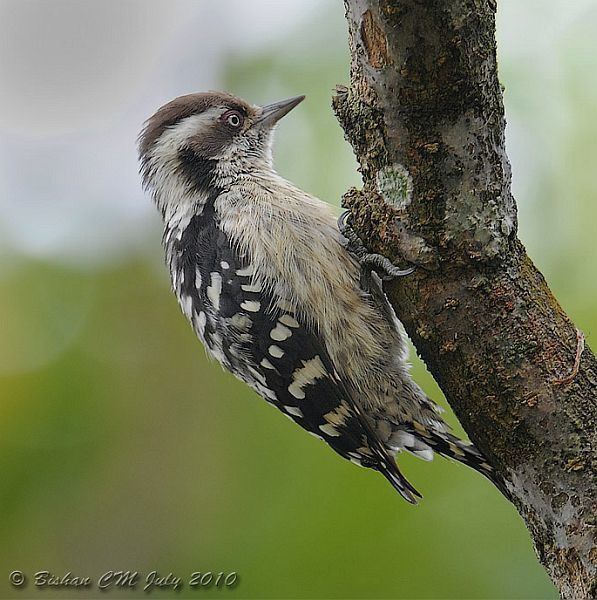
425, 117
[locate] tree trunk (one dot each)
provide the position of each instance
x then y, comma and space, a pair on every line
424, 115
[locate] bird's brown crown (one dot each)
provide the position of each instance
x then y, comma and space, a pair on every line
185, 106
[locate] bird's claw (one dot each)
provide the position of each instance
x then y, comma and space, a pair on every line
342, 225
368, 260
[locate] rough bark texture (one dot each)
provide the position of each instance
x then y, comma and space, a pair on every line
424, 115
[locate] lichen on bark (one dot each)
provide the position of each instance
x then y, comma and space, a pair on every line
424, 115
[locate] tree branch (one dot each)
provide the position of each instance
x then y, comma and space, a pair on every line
425, 117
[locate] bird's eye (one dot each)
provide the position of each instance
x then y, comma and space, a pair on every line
233, 118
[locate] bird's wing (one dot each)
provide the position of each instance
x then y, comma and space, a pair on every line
260, 339
283, 359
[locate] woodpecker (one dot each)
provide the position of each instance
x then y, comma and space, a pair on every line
271, 286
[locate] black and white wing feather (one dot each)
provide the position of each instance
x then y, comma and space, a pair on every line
260, 339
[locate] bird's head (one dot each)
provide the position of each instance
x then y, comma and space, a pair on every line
203, 141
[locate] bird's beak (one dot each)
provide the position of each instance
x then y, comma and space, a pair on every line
272, 113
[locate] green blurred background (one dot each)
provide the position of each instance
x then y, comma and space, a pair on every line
121, 446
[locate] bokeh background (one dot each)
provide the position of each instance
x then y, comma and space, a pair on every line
121, 446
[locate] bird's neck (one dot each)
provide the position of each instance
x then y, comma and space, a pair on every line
185, 198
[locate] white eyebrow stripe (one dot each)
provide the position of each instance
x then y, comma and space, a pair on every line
174, 136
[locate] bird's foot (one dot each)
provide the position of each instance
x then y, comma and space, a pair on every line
369, 261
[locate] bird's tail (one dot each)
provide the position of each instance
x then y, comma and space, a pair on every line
450, 446
392, 473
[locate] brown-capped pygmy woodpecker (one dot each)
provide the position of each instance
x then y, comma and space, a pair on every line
267, 278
